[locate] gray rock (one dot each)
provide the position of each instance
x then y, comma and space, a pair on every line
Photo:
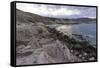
92, 58
80, 56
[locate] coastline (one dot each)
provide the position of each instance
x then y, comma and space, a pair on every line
80, 48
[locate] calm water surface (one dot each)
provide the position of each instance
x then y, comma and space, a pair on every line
88, 31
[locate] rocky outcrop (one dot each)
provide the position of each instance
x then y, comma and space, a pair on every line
41, 47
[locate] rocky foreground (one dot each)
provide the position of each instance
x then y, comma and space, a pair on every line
38, 44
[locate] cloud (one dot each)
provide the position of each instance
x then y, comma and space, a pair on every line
65, 11
57, 11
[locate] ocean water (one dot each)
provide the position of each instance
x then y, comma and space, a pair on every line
88, 31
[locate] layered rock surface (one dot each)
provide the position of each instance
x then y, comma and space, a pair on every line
40, 47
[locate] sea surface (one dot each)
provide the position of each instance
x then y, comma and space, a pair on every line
88, 31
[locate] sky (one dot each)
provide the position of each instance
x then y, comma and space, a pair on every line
58, 11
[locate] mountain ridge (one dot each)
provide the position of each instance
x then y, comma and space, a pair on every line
27, 17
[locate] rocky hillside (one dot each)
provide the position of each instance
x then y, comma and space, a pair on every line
36, 44
25, 17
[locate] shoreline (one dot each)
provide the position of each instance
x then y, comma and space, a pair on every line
82, 49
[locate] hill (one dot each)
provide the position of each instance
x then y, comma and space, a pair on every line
26, 17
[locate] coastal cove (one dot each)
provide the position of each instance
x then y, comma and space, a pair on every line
88, 31
78, 44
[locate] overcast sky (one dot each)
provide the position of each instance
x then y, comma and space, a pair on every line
58, 11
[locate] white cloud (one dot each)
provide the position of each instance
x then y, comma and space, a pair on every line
46, 10
65, 11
